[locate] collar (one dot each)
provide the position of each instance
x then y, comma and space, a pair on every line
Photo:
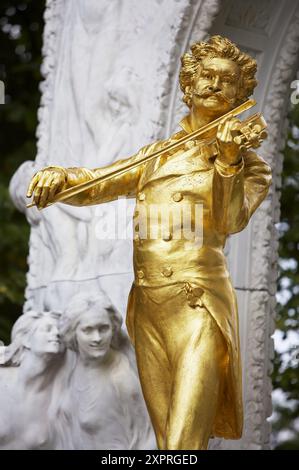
185, 124
208, 146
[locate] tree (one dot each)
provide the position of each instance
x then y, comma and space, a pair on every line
21, 25
286, 366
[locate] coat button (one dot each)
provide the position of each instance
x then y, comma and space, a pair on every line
177, 197
198, 291
191, 300
140, 274
167, 236
167, 271
141, 196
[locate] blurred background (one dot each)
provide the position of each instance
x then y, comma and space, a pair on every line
21, 27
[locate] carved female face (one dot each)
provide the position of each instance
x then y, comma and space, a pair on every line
94, 334
45, 337
216, 85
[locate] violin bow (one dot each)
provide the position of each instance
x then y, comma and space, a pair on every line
73, 191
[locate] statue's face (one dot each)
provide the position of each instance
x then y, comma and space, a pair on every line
45, 338
94, 334
215, 86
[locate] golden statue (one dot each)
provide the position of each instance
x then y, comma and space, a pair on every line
182, 311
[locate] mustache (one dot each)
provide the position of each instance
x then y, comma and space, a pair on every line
208, 93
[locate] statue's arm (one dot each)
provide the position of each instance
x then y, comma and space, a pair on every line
50, 181
123, 185
238, 190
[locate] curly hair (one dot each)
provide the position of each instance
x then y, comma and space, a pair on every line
82, 304
23, 329
220, 47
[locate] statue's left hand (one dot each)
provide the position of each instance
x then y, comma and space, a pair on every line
45, 184
229, 151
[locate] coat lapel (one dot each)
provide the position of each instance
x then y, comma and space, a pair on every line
183, 161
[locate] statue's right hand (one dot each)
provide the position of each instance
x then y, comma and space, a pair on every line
45, 184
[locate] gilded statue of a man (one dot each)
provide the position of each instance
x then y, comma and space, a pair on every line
182, 312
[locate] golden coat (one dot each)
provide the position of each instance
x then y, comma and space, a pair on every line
230, 195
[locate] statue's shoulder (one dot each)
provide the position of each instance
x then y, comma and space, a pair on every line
8, 378
160, 144
173, 138
178, 135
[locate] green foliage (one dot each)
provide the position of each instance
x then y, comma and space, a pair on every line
21, 25
286, 366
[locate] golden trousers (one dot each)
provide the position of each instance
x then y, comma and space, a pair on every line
181, 358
